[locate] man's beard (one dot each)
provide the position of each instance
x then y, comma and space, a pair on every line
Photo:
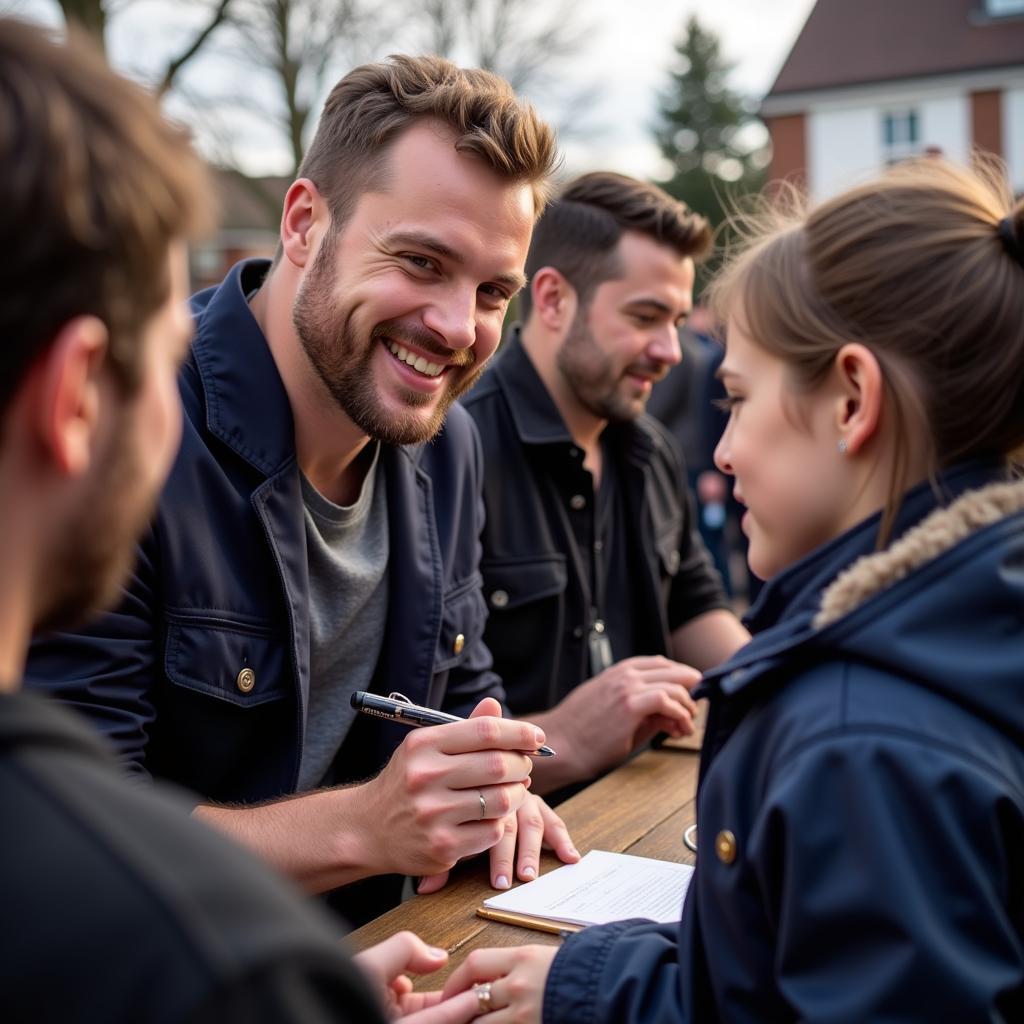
593, 376
93, 558
344, 363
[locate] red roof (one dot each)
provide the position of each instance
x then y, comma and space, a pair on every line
854, 42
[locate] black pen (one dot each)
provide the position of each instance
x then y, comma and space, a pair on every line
398, 708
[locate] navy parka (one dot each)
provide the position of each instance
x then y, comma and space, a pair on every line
861, 803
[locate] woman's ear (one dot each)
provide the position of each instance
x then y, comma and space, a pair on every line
66, 395
859, 403
553, 298
304, 220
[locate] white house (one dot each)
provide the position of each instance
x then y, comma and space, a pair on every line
869, 82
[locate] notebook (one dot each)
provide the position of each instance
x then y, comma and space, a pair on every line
601, 887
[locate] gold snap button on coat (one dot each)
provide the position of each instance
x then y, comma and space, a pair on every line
499, 598
460, 642
245, 680
725, 846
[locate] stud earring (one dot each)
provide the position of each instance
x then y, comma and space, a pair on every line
843, 446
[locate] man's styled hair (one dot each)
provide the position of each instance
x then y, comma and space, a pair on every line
580, 231
373, 103
96, 186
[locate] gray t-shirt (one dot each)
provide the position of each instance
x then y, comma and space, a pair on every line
347, 550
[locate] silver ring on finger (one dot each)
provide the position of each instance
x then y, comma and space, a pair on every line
483, 996
483, 809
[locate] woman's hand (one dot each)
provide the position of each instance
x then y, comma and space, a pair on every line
385, 965
516, 977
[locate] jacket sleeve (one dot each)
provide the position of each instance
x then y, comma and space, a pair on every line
623, 973
473, 677
293, 990
890, 869
107, 670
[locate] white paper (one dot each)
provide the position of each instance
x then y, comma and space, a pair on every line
602, 887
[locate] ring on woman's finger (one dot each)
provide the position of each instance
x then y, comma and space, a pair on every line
483, 805
483, 996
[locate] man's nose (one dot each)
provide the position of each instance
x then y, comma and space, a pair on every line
664, 346
453, 317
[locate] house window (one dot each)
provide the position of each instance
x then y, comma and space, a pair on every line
901, 135
1001, 8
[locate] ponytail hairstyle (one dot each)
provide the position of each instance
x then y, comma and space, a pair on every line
925, 267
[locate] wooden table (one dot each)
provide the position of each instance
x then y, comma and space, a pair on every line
642, 807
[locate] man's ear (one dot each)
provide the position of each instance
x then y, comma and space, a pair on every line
554, 299
304, 221
66, 394
861, 391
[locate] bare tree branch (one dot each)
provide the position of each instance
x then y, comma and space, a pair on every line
174, 65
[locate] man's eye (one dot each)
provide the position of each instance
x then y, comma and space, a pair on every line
420, 262
495, 292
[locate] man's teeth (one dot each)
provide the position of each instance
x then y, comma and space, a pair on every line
413, 360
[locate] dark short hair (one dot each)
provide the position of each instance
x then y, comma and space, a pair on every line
374, 103
580, 231
96, 186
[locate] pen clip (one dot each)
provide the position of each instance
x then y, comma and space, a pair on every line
400, 697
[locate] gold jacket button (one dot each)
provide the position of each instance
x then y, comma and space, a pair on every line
460, 642
245, 680
725, 846
499, 598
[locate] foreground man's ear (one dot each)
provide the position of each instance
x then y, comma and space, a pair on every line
63, 390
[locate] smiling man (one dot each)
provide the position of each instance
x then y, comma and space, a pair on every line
589, 546
309, 543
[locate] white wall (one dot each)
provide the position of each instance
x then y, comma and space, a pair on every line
845, 143
843, 147
946, 123
1013, 135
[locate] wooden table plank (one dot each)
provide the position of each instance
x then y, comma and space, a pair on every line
642, 807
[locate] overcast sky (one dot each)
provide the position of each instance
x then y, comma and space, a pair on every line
628, 55
634, 47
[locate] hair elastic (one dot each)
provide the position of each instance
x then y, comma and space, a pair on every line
1011, 243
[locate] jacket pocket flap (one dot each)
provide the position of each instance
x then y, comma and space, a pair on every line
238, 664
462, 622
510, 583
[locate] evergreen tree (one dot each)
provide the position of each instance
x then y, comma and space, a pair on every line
700, 132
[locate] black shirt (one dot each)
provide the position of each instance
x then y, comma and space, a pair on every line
541, 527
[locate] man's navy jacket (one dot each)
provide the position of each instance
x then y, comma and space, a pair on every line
201, 675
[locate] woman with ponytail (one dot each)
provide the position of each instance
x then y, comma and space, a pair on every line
861, 798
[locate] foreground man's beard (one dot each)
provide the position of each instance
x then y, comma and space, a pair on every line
95, 555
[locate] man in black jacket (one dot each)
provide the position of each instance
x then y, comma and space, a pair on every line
589, 546
117, 906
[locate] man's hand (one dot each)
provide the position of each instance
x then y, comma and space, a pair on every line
605, 719
385, 965
446, 791
443, 796
517, 978
532, 825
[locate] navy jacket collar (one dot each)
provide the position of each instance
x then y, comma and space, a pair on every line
781, 618
247, 406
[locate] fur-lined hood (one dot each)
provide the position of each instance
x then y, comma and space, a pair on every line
943, 605
934, 535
